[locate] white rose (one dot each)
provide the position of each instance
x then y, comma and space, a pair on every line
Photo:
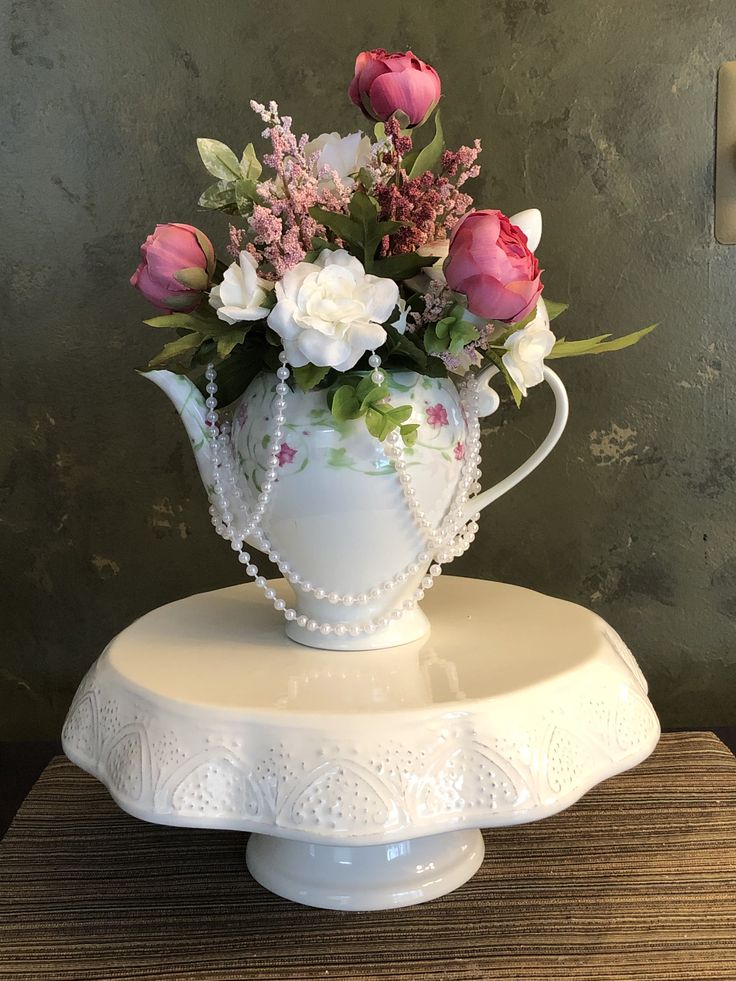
242, 293
329, 312
527, 348
343, 154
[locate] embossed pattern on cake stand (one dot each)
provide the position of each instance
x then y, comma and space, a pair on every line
364, 775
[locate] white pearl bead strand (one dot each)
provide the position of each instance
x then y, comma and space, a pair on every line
235, 521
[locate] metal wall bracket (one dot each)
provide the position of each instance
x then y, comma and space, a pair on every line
725, 205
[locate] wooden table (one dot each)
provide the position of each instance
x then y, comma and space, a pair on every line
636, 881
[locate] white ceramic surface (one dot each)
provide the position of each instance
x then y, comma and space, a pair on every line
401, 873
202, 713
337, 511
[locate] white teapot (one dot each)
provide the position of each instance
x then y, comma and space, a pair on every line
358, 527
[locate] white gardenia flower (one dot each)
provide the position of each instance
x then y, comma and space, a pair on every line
527, 348
329, 312
242, 293
343, 154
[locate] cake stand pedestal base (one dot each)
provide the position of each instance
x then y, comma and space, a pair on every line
365, 877
364, 776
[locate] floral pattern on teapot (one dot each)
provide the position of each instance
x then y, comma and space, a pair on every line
312, 435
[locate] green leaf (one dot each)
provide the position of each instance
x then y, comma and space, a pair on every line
433, 343
227, 341
402, 266
319, 244
402, 119
218, 196
366, 178
184, 320
175, 349
379, 131
192, 277
362, 229
402, 345
555, 309
245, 195
209, 253
364, 212
379, 425
178, 301
409, 433
363, 208
461, 333
364, 386
376, 393
597, 345
309, 375
219, 159
345, 404
429, 158
436, 368
236, 372
513, 387
250, 165
442, 327
400, 414
341, 225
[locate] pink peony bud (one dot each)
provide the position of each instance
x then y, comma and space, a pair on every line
490, 262
387, 83
175, 269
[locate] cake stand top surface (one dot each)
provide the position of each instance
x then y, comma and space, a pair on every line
226, 650
203, 713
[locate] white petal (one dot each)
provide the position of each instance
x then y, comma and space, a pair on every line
382, 297
224, 315
248, 276
343, 259
351, 360
231, 287
530, 222
293, 278
215, 300
295, 356
366, 335
234, 314
322, 350
281, 319
515, 373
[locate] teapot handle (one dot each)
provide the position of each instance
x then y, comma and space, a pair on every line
488, 404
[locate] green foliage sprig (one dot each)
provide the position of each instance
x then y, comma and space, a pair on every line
362, 231
357, 398
235, 189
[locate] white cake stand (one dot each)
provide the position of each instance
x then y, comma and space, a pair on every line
364, 776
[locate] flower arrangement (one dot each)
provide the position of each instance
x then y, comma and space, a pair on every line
350, 252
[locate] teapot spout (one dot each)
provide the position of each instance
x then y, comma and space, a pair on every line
189, 403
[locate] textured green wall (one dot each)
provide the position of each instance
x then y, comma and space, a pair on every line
600, 114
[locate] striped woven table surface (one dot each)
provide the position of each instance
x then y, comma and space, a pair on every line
636, 881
